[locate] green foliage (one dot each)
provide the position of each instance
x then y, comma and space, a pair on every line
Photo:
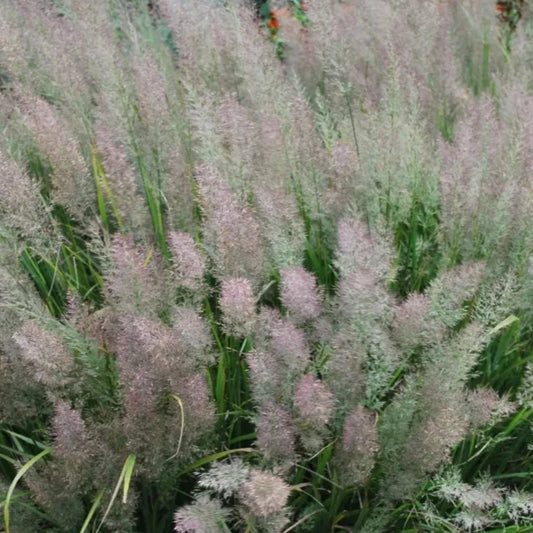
419, 256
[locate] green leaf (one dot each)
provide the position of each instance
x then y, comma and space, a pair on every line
264, 10
92, 510
124, 479
214, 457
511, 319
16, 479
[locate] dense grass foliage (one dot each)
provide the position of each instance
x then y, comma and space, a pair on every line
266, 267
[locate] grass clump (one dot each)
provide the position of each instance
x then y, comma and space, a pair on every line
265, 266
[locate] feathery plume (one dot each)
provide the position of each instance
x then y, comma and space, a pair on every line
451, 289
194, 392
46, 353
21, 207
346, 376
520, 505
120, 175
72, 185
275, 433
11, 41
314, 405
231, 233
153, 366
344, 168
313, 401
288, 343
265, 375
443, 416
68, 429
237, 303
239, 137
282, 226
152, 94
361, 297
204, 515
472, 520
134, 282
194, 335
359, 444
481, 404
360, 250
187, 260
207, 43
475, 195
225, 477
483, 496
285, 341
264, 494
412, 324
299, 294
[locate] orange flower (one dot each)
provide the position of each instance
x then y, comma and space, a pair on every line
273, 22
500, 7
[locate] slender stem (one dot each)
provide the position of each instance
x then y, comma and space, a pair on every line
352, 121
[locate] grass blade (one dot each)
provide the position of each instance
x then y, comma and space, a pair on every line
92, 510
214, 457
16, 479
182, 426
124, 479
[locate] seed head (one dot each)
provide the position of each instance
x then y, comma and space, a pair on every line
299, 293
187, 261
237, 304
313, 401
204, 515
264, 494
358, 446
68, 429
275, 433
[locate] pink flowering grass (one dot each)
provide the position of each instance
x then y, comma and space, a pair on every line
265, 268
